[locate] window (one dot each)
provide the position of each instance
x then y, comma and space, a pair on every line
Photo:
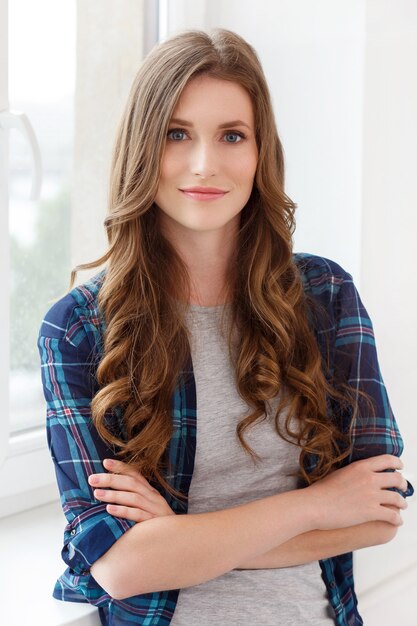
58, 62
41, 84
36, 137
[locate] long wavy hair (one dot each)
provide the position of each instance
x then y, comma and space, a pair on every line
146, 342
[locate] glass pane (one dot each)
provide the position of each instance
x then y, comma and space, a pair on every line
42, 53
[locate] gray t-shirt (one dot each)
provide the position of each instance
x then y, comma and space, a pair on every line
225, 476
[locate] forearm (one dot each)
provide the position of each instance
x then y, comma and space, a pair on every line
322, 544
179, 551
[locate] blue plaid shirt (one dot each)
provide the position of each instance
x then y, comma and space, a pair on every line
70, 346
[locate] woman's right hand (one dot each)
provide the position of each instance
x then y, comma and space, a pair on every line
358, 493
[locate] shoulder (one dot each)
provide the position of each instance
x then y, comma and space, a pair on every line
334, 299
76, 314
321, 276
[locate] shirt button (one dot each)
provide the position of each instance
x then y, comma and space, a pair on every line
333, 585
73, 532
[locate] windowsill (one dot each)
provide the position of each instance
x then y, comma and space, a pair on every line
30, 546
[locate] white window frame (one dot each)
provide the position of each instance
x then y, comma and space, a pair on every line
26, 471
4, 245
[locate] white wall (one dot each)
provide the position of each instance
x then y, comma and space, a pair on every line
110, 42
344, 84
312, 54
389, 227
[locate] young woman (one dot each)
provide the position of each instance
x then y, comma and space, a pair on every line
220, 430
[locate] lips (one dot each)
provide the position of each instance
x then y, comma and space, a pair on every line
204, 193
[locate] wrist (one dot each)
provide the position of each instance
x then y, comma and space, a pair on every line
313, 508
302, 508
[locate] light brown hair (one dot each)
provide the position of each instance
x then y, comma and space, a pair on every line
146, 342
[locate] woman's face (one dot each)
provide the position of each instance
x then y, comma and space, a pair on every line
210, 145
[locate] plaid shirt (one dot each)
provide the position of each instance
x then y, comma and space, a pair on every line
70, 346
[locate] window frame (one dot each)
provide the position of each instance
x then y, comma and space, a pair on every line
26, 471
4, 229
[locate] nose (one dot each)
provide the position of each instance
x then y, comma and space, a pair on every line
204, 159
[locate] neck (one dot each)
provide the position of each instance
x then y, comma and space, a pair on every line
207, 256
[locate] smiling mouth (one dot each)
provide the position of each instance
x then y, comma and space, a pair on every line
203, 195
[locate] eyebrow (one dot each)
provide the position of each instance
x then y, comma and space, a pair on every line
177, 120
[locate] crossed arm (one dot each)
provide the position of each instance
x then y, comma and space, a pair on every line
290, 529
316, 545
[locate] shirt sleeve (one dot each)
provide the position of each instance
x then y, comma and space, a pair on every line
356, 362
67, 347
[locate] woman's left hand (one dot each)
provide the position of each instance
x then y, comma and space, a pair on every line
128, 492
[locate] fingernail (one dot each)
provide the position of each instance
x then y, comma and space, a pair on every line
108, 463
93, 480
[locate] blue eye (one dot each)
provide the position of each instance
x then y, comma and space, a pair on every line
175, 134
239, 137
179, 134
